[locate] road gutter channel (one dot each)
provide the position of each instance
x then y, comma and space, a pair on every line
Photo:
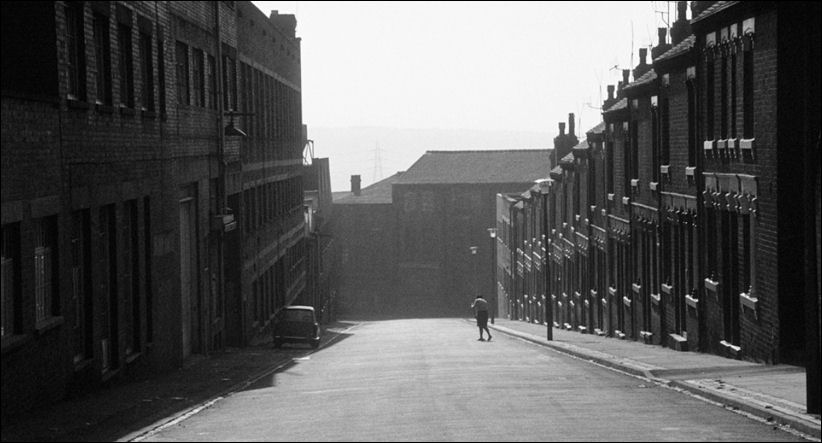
795, 425
175, 419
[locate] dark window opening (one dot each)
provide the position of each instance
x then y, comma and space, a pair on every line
102, 50
126, 66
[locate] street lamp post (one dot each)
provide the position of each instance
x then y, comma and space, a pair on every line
474, 250
492, 232
549, 306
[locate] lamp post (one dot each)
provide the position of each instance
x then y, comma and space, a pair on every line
474, 250
544, 188
492, 233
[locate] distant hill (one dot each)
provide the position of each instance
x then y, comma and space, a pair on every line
353, 150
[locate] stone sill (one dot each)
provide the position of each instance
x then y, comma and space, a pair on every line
626, 301
711, 285
733, 350
48, 324
692, 302
749, 302
14, 342
667, 288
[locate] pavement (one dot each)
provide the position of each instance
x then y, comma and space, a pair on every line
773, 393
126, 412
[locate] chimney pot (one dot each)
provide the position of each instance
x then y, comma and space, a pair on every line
610, 92
561, 128
662, 33
355, 184
643, 52
571, 123
682, 8
625, 74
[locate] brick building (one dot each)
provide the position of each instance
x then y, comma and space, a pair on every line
365, 227
444, 205
121, 187
710, 212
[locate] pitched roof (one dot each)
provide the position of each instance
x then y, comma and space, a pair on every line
492, 166
644, 79
621, 104
713, 9
377, 193
681, 48
600, 127
582, 145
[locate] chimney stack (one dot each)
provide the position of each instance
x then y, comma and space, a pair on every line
610, 92
625, 74
571, 123
681, 28
355, 184
662, 47
643, 66
663, 34
561, 128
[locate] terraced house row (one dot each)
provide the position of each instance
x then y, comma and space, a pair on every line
690, 216
152, 187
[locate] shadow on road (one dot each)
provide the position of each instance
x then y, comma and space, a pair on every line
299, 352
127, 408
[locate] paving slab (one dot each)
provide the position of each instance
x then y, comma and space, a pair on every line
775, 393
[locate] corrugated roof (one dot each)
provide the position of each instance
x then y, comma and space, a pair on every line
492, 166
377, 193
681, 48
713, 9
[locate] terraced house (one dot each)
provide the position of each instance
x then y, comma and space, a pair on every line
151, 187
703, 232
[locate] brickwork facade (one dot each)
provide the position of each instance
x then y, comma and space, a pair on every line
688, 232
115, 171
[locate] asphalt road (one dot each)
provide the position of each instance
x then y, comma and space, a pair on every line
431, 380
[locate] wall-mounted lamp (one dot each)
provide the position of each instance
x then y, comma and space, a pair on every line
230, 130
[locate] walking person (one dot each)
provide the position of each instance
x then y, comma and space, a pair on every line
480, 307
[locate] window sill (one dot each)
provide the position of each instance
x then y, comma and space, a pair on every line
76, 104
691, 302
108, 374
748, 302
130, 358
82, 365
667, 288
746, 144
103, 109
48, 324
14, 342
626, 301
655, 299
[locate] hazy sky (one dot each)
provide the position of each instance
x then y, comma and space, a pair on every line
500, 66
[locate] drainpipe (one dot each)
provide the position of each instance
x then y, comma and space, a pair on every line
221, 188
